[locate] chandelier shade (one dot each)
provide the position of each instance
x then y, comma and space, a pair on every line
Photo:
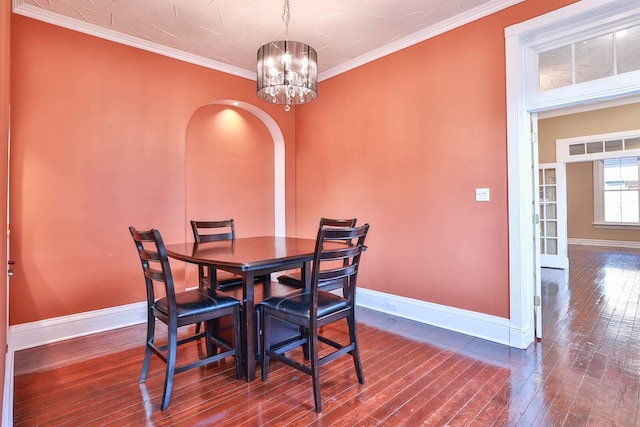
287, 73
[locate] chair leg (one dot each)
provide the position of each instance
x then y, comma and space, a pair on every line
355, 352
237, 341
315, 370
151, 327
210, 330
201, 286
171, 366
266, 339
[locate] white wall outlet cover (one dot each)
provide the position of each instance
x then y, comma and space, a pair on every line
482, 194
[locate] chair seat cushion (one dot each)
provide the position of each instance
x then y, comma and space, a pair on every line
196, 301
297, 303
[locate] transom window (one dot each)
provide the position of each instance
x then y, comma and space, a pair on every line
606, 55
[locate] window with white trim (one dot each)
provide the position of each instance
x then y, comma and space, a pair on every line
616, 193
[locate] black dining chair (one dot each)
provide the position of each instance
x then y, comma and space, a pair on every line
177, 309
313, 308
294, 278
215, 231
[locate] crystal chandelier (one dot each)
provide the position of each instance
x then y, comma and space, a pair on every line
287, 70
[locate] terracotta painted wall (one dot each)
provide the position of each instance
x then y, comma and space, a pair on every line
99, 134
580, 175
402, 143
5, 21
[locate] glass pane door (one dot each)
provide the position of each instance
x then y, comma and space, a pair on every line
548, 212
553, 218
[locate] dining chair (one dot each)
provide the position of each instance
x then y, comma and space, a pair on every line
215, 231
313, 308
177, 309
294, 278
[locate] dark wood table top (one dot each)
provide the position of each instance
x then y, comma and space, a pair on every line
246, 253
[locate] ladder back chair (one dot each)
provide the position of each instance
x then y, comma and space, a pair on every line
313, 308
177, 309
215, 231
294, 279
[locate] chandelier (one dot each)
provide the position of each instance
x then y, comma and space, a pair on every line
287, 70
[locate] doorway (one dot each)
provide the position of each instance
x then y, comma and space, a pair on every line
523, 43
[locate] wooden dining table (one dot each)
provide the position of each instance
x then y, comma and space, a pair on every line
249, 257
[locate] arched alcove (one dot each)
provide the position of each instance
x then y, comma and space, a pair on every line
234, 167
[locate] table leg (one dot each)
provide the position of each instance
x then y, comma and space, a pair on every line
306, 274
249, 326
213, 277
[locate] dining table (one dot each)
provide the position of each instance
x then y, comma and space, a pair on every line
249, 257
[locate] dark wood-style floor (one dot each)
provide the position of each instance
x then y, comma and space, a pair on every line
586, 371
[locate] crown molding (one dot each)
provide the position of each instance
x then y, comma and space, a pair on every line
420, 36
53, 18
20, 8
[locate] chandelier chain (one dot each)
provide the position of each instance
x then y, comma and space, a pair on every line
286, 16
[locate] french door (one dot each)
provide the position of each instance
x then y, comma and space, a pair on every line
553, 215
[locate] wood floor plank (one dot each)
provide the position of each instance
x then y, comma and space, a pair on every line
585, 371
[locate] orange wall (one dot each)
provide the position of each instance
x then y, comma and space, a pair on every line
5, 15
230, 147
402, 143
99, 136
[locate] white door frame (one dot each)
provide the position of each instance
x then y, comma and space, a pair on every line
522, 40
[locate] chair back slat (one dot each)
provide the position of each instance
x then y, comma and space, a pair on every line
337, 222
213, 231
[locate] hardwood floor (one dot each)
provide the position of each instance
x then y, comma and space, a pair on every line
586, 371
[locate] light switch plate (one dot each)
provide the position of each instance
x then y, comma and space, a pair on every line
482, 194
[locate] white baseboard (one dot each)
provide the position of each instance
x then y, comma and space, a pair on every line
33, 334
611, 243
491, 328
7, 403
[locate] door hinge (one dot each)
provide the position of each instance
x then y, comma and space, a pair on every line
536, 301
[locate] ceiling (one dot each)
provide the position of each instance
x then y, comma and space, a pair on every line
226, 34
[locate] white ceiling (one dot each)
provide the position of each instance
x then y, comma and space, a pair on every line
226, 34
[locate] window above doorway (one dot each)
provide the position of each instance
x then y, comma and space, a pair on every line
609, 54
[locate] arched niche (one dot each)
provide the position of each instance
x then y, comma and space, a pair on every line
234, 168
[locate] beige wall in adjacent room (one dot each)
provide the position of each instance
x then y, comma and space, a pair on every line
580, 175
